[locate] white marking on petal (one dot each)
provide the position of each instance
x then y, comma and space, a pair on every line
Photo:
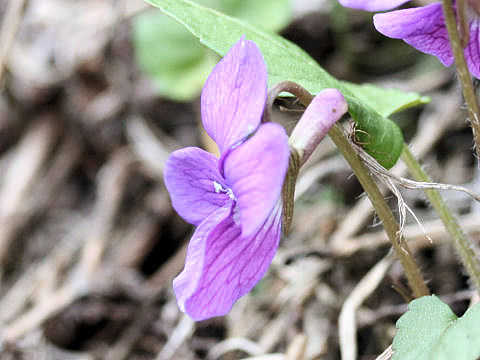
230, 194
218, 187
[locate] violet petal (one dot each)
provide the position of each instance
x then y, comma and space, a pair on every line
222, 266
234, 95
255, 171
472, 51
372, 5
195, 185
421, 27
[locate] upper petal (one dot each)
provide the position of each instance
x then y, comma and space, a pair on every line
255, 171
472, 51
372, 5
234, 95
192, 178
423, 28
222, 265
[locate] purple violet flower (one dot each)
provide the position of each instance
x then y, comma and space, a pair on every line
424, 28
235, 200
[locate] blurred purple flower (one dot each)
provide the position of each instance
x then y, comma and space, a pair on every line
424, 28
235, 200
372, 5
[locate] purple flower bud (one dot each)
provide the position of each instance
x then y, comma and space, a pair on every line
323, 112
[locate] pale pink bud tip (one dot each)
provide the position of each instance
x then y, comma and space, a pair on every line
323, 112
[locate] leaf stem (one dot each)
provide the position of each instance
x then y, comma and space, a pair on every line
390, 224
461, 242
462, 71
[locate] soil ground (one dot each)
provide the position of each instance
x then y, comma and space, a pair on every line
89, 243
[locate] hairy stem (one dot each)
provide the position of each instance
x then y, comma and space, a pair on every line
390, 224
461, 242
462, 71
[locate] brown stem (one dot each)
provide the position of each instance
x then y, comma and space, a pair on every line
463, 26
463, 72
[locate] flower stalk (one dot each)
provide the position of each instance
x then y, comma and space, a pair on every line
462, 71
461, 242
288, 190
390, 224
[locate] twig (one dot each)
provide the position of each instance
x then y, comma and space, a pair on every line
318, 171
232, 344
182, 332
122, 347
347, 319
8, 32
386, 355
297, 348
41, 311
273, 331
33, 280
146, 146
165, 274
82, 277
416, 236
26, 162
267, 357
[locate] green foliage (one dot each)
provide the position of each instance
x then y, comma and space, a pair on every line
272, 15
430, 330
385, 101
286, 61
175, 61
173, 58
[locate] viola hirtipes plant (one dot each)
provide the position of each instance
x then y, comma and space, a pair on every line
425, 28
235, 200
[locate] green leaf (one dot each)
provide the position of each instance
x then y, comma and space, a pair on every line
272, 15
219, 32
176, 62
385, 101
429, 330
173, 58
286, 61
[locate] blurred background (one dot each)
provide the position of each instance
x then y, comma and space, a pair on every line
95, 94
